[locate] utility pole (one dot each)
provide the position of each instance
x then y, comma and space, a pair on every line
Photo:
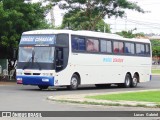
115, 25
126, 23
52, 16
104, 28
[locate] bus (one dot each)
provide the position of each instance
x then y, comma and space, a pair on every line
72, 58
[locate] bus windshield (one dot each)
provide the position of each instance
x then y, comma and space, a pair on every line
36, 54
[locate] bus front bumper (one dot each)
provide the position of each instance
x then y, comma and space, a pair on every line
35, 80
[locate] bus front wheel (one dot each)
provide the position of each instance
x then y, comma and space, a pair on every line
74, 82
42, 87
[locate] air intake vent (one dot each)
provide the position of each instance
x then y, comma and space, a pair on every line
36, 73
27, 73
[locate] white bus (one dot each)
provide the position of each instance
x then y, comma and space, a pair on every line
72, 58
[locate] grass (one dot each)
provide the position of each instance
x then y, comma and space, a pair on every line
106, 104
147, 96
155, 71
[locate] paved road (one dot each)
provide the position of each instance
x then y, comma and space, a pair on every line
30, 98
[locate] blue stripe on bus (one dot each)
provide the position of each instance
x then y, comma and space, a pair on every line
36, 80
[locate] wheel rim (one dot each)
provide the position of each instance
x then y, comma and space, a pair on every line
135, 81
74, 82
127, 82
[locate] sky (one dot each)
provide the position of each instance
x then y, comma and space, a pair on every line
148, 22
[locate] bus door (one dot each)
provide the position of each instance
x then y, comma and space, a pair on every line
59, 59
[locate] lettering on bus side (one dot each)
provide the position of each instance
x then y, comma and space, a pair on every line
107, 59
119, 60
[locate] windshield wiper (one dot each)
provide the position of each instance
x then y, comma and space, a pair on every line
27, 64
37, 63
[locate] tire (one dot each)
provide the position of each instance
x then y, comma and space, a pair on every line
42, 87
102, 85
127, 82
134, 81
74, 82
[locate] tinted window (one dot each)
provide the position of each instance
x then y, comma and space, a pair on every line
118, 47
147, 49
78, 43
140, 49
109, 46
132, 48
129, 48
92, 45
106, 46
115, 47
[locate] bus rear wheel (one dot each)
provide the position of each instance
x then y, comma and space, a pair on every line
134, 81
74, 82
42, 87
127, 82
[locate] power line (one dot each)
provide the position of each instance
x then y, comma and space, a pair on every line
124, 19
142, 23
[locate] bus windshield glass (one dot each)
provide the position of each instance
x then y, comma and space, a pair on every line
36, 54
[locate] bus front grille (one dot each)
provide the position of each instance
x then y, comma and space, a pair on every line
36, 73
27, 73
32, 73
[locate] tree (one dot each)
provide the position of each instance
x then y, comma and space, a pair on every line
71, 21
155, 47
102, 27
16, 16
91, 12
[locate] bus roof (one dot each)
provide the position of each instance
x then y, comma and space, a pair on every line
86, 33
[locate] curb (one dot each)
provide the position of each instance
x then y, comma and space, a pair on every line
2, 83
82, 100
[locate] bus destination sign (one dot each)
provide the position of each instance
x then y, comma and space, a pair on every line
38, 39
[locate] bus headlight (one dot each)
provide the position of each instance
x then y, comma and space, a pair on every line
44, 74
18, 73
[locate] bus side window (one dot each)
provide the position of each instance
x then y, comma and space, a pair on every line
140, 49
74, 44
147, 49
115, 47
78, 43
121, 47
129, 48
118, 47
81, 44
105, 46
92, 45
